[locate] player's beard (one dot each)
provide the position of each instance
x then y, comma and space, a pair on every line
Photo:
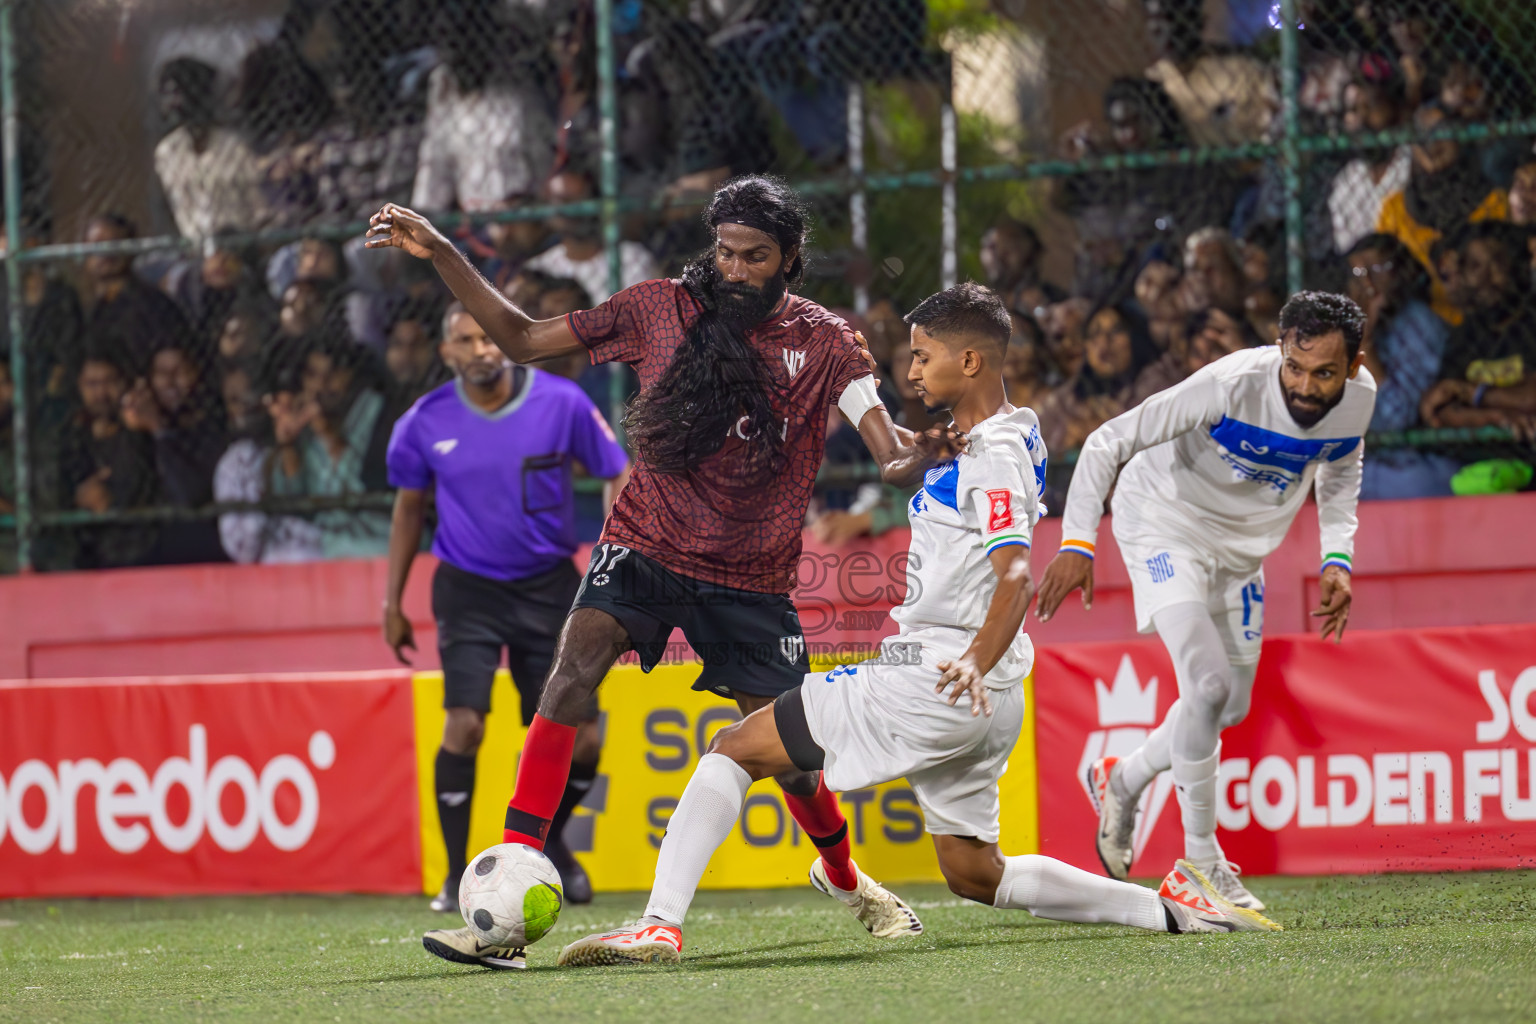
714, 384
484, 373
1307, 414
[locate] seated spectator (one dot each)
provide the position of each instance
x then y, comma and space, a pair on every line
1404, 339
889, 339
126, 318
366, 155
281, 103
208, 289
1120, 214
1224, 97
1490, 356
1213, 277
247, 329
1118, 351
1063, 325
489, 130
1445, 190
104, 467
1212, 334
242, 473
330, 441
580, 253
176, 409
1010, 257
1365, 183
1404, 344
209, 174
1023, 365
1213, 273
303, 311
508, 246
411, 358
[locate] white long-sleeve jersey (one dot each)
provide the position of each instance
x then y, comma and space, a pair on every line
1218, 464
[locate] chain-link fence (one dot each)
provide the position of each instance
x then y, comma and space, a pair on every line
205, 362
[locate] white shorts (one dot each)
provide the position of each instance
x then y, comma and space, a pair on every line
877, 722
1165, 574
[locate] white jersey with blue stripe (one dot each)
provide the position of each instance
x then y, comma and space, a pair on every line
987, 498
1218, 464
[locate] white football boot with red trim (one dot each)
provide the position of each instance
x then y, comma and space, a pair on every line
882, 913
1115, 838
1194, 905
638, 944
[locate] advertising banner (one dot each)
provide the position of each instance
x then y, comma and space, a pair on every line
655, 729
147, 787
1393, 751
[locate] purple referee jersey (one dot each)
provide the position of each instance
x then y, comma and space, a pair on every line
505, 507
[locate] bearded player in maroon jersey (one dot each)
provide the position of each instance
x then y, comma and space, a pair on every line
736, 377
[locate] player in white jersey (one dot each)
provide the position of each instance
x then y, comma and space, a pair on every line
1216, 469
968, 590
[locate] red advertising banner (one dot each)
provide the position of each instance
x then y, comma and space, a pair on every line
1394, 751
151, 787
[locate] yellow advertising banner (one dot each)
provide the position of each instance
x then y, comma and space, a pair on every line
655, 730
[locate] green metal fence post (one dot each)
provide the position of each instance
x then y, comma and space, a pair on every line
13, 238
608, 128
1290, 149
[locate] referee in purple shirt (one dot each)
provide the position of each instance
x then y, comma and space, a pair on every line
497, 443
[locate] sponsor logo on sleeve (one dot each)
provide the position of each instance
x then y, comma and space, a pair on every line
1001, 517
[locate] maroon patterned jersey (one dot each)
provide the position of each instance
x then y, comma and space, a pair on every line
708, 524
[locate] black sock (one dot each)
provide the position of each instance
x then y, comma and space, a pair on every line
1173, 922
455, 792
577, 786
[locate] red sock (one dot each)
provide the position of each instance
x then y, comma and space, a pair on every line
541, 778
822, 819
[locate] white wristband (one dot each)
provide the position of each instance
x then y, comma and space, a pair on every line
858, 398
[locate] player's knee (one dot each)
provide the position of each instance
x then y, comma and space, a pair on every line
567, 692
463, 731
1236, 709
798, 783
1207, 691
589, 743
969, 885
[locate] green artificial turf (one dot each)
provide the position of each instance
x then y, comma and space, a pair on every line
1456, 947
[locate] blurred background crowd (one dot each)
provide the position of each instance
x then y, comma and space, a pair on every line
233, 342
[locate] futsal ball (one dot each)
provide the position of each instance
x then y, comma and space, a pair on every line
510, 895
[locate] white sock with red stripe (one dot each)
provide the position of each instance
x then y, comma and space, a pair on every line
1050, 889
705, 815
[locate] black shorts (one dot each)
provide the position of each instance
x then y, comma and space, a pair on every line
478, 616
749, 642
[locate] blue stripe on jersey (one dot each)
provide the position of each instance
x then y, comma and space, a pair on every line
1267, 448
941, 483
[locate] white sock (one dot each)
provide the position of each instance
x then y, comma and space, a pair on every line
1195, 782
705, 815
1048, 888
1142, 765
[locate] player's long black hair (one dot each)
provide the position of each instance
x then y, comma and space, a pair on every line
715, 379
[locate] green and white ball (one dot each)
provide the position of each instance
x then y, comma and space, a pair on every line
510, 895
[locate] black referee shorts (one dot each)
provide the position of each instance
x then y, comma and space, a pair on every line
749, 642
477, 617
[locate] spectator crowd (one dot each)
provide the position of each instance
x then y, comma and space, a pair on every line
250, 373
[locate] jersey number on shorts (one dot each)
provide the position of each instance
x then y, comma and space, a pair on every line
1253, 601
608, 556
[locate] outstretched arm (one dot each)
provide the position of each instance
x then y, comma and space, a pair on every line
521, 337
1005, 617
904, 455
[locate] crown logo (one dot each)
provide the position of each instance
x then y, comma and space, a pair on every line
1127, 702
